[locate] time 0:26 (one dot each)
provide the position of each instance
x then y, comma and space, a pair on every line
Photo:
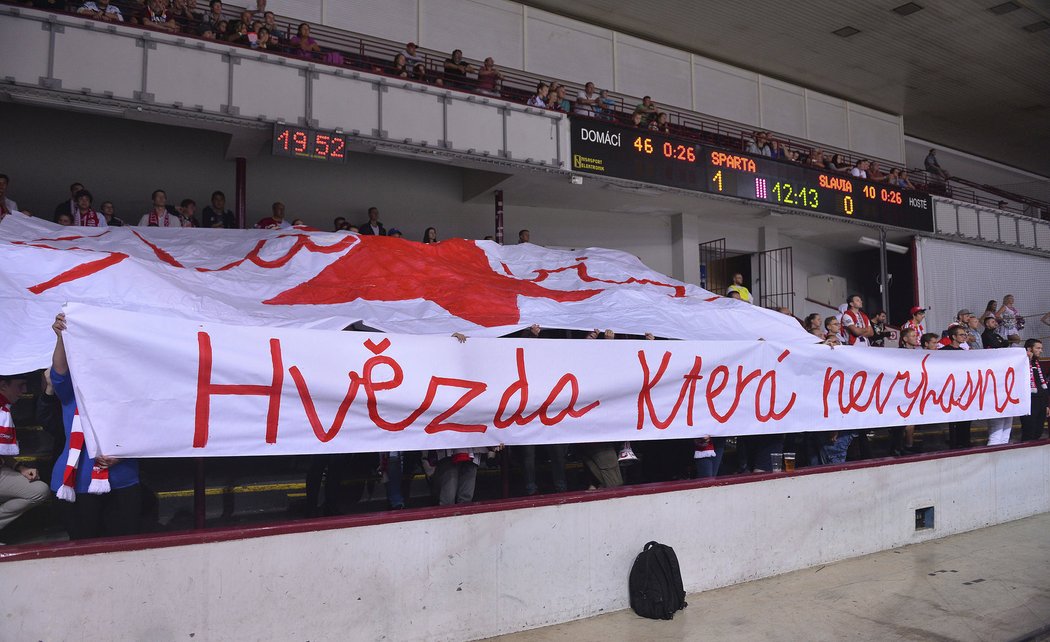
675, 152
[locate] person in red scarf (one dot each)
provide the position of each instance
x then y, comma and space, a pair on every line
159, 216
855, 323
101, 495
1032, 423
20, 485
86, 215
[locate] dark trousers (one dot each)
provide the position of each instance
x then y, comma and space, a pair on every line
557, 453
1032, 424
959, 434
107, 515
332, 469
758, 450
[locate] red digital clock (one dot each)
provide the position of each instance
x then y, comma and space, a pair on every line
301, 142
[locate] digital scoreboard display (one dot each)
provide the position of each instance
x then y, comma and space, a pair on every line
635, 154
315, 144
646, 156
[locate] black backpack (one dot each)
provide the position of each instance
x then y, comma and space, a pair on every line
656, 583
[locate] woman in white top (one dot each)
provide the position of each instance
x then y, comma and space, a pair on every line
1010, 323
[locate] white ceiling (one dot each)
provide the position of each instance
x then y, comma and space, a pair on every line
960, 75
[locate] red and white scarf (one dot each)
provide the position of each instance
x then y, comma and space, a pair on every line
154, 219
861, 321
704, 448
1036, 372
99, 474
919, 327
88, 219
8, 438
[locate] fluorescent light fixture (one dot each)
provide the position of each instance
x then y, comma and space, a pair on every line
420, 155
890, 247
59, 103
641, 190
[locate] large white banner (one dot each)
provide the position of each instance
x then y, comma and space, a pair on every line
218, 390
302, 279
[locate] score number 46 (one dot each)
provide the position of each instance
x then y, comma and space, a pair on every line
676, 152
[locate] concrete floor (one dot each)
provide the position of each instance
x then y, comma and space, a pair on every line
989, 584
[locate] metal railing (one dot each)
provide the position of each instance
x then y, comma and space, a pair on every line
989, 224
344, 48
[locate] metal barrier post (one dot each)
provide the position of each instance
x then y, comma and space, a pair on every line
198, 494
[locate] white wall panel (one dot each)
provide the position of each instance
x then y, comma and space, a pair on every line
395, 20
1042, 237
725, 91
558, 47
989, 227
412, 114
647, 69
1008, 230
968, 225
345, 103
944, 218
188, 76
532, 136
876, 133
783, 107
1027, 231
475, 126
23, 51
86, 60
304, 10
471, 576
826, 118
271, 91
481, 28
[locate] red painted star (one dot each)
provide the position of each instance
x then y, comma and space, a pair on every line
455, 274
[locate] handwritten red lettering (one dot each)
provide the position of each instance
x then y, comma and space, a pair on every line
206, 389
473, 391
323, 435
857, 396
645, 400
520, 387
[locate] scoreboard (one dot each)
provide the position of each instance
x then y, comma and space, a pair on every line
651, 157
303, 142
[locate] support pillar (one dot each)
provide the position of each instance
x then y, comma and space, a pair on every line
685, 248
499, 216
240, 193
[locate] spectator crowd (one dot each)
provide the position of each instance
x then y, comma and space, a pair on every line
103, 496
259, 28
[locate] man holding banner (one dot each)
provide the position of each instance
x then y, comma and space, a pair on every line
103, 492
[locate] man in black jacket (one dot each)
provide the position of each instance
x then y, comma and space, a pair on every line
373, 226
958, 431
1032, 423
990, 338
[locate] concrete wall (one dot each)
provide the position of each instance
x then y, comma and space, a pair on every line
470, 576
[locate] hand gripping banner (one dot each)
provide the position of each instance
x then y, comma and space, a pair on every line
207, 389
